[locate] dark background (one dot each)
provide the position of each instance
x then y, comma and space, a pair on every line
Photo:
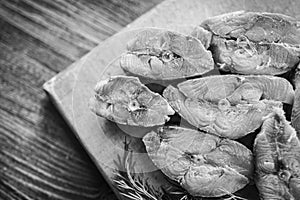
40, 158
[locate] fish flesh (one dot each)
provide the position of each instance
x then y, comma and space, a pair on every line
205, 165
252, 42
277, 159
250, 58
238, 88
256, 26
295, 118
125, 100
165, 55
222, 119
203, 35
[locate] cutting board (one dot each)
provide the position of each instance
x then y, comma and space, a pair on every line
118, 150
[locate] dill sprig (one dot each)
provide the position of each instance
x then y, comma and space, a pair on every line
131, 187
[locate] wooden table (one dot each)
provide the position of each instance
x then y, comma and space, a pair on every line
40, 158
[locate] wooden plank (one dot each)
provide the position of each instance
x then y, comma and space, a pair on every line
40, 158
72, 88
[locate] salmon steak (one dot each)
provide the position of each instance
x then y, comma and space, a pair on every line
165, 55
222, 119
125, 100
252, 42
205, 165
277, 159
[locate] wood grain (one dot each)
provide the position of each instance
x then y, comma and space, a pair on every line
40, 158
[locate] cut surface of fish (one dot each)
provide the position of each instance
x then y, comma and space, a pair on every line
125, 100
256, 26
203, 164
238, 88
253, 42
221, 119
277, 159
164, 55
296, 107
246, 57
203, 35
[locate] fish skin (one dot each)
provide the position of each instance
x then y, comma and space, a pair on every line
165, 55
220, 119
238, 88
253, 42
277, 159
125, 100
203, 164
